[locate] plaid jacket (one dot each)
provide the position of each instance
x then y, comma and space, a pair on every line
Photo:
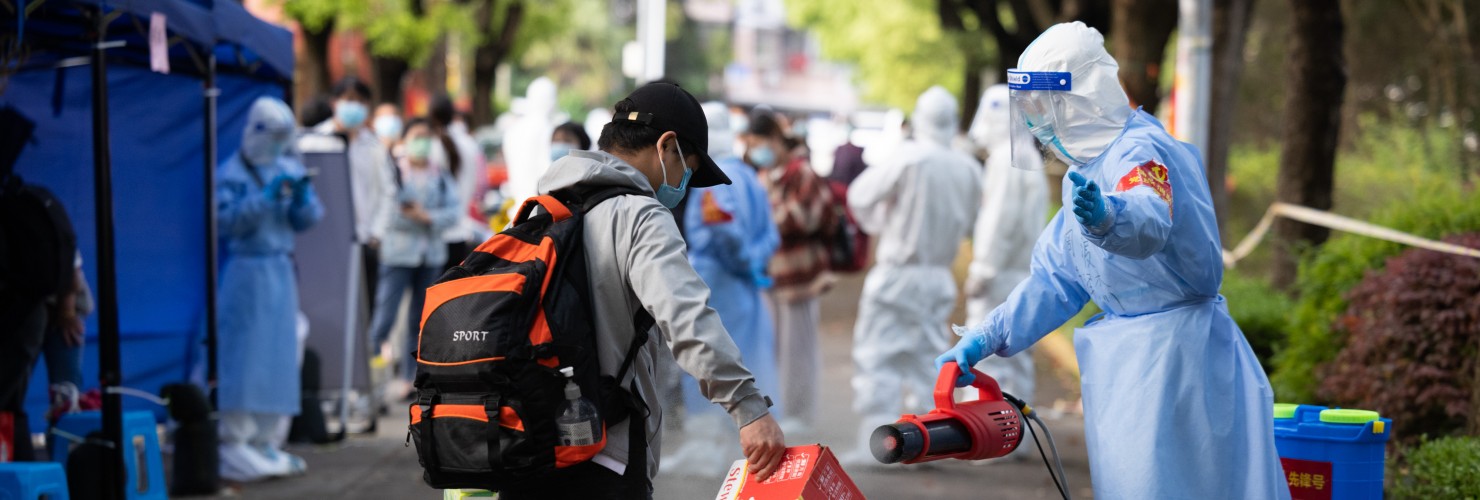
802, 205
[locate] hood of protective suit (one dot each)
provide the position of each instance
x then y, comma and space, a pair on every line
989, 129
596, 120
934, 120
539, 97
268, 132
1093, 113
589, 171
721, 138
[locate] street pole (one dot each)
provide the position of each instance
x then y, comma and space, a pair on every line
652, 25
108, 341
1193, 86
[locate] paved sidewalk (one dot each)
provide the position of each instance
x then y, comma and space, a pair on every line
381, 466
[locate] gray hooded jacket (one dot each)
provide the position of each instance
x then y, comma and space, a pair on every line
636, 258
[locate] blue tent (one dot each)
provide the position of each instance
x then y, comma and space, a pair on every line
163, 149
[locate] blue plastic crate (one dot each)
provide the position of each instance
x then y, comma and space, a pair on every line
1331, 453
141, 457
32, 481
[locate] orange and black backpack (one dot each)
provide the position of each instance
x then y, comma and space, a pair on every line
495, 332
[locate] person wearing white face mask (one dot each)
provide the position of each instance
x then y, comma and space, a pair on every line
920, 201
370, 170
263, 198
387, 124
654, 148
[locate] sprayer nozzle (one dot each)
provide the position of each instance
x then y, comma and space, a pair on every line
896, 442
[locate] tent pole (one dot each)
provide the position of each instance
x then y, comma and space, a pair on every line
111, 369
212, 262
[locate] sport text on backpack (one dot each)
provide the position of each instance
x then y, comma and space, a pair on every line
495, 333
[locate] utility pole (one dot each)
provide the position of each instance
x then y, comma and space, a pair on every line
652, 26
1193, 86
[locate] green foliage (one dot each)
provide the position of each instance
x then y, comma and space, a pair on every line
584, 59
1412, 332
1260, 311
1329, 272
898, 45
1442, 468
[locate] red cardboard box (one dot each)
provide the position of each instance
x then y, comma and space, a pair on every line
809, 472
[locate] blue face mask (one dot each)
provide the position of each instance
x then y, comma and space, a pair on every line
1045, 135
388, 127
762, 156
558, 150
351, 114
669, 196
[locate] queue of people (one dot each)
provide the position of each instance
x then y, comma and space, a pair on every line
726, 237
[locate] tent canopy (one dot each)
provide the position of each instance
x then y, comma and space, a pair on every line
158, 129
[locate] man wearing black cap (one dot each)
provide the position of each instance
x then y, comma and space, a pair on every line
657, 145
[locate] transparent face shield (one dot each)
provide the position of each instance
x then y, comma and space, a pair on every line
1034, 97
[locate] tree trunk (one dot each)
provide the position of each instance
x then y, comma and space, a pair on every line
1230, 30
490, 53
1140, 48
1316, 78
313, 79
390, 77
971, 92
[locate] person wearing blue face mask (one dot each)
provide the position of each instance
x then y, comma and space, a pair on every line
654, 148
731, 237
569, 136
371, 170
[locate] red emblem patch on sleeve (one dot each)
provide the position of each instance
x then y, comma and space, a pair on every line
712, 212
1150, 174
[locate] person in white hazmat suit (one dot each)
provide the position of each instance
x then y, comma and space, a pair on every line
1014, 211
527, 143
920, 203
1175, 403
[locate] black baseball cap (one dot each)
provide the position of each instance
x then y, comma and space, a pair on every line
669, 108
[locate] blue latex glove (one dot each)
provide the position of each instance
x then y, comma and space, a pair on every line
300, 190
273, 190
759, 277
970, 350
1089, 204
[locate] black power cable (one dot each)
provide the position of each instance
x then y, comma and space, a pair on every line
1023, 411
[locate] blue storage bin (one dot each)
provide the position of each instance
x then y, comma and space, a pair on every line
141, 456
1327, 453
33, 480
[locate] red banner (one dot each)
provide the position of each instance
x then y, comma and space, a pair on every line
1308, 480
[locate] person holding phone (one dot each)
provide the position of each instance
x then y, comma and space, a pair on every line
264, 197
411, 250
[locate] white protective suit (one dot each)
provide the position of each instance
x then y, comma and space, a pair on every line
596, 120
527, 143
1014, 211
919, 203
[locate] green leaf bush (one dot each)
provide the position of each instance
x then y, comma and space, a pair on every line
1442, 468
1330, 271
1412, 334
